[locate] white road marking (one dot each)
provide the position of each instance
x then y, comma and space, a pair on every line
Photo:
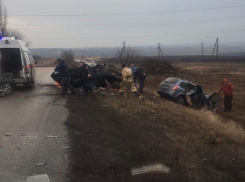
38, 178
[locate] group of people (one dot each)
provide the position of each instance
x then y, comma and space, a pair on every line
130, 75
64, 73
140, 75
227, 89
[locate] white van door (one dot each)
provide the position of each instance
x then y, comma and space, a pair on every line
33, 71
26, 65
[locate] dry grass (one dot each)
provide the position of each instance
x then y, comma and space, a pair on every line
210, 126
201, 144
203, 135
213, 68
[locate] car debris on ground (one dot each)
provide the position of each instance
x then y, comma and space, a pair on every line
104, 77
154, 168
41, 164
66, 147
5, 80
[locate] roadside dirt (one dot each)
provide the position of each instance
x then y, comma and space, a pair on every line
107, 143
110, 135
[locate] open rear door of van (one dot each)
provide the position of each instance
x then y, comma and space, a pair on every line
11, 61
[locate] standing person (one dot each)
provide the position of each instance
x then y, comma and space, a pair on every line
86, 77
64, 73
134, 70
127, 83
141, 74
227, 89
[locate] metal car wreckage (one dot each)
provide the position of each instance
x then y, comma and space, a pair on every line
5, 81
184, 92
103, 76
198, 99
5, 84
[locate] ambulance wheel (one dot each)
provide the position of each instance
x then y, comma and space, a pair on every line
29, 85
2, 94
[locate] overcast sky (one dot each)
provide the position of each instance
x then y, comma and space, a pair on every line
106, 23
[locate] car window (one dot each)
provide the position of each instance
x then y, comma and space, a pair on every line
171, 80
190, 86
183, 85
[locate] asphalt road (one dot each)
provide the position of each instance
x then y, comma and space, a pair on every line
27, 117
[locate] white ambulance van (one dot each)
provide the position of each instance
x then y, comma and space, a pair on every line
16, 59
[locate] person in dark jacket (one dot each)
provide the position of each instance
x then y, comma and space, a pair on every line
64, 73
134, 70
86, 77
141, 74
227, 89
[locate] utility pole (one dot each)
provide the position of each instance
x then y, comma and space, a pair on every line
202, 49
123, 53
217, 50
216, 47
160, 54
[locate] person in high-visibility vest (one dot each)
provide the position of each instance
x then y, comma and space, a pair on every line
127, 84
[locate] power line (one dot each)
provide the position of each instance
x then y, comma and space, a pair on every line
123, 14
134, 23
111, 37
125, 25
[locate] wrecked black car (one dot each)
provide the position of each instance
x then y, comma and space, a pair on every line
102, 76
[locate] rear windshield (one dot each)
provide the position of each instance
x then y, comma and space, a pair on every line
171, 80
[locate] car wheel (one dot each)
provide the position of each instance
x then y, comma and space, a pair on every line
213, 107
2, 94
180, 100
8, 89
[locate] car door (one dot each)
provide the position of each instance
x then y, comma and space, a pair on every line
26, 64
33, 71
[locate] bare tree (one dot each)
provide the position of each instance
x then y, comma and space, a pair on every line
68, 57
5, 32
131, 55
17, 34
1, 16
5, 20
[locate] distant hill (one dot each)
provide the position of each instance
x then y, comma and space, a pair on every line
108, 52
